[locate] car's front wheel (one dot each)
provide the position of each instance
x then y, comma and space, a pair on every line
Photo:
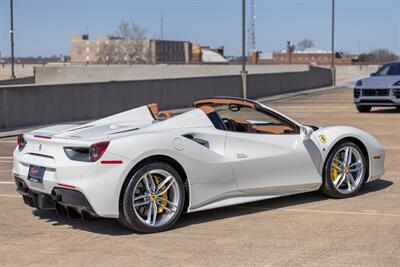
344, 171
153, 198
363, 109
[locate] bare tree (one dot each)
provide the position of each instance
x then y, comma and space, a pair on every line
108, 52
304, 44
131, 31
383, 55
129, 45
380, 55
134, 42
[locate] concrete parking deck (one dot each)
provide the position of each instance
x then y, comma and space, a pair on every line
307, 229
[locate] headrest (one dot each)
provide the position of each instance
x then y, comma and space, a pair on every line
207, 109
153, 107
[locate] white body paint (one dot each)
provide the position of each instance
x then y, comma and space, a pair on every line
236, 168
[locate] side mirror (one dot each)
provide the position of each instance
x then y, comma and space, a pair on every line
306, 131
373, 74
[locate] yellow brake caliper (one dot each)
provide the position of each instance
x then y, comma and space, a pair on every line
334, 173
164, 196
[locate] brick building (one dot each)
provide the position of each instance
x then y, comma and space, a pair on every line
309, 56
86, 51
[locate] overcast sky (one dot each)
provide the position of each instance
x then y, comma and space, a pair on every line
44, 27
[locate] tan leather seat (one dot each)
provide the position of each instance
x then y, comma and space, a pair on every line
153, 107
207, 109
272, 129
164, 114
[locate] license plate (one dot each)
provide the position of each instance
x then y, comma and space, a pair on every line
36, 173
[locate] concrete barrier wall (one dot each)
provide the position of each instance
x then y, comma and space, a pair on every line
28, 105
25, 80
20, 70
58, 73
280, 83
353, 70
101, 73
45, 104
346, 72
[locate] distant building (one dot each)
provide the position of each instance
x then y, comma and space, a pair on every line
164, 51
309, 56
86, 51
206, 54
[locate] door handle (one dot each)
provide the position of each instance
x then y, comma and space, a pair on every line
241, 156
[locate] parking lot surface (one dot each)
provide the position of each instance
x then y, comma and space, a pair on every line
303, 230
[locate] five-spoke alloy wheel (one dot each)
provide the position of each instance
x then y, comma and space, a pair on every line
153, 199
344, 170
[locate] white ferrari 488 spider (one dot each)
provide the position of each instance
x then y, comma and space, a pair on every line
146, 167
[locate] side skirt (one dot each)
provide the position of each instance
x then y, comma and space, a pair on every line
237, 197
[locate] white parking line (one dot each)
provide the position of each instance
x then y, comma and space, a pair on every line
8, 141
5, 161
9, 196
10, 158
344, 212
7, 183
323, 211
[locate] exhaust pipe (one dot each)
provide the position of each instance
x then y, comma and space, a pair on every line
56, 195
22, 187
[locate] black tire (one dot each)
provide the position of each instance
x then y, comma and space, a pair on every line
327, 187
128, 217
363, 109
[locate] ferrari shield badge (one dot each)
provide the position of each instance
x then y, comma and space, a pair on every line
322, 138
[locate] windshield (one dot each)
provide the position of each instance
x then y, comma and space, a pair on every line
389, 69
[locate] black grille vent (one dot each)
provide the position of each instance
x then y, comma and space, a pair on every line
377, 101
356, 93
375, 92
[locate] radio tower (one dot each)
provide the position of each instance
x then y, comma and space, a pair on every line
252, 30
162, 25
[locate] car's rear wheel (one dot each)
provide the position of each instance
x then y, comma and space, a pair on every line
153, 199
363, 109
344, 170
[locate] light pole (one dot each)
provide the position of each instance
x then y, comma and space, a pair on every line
12, 38
333, 45
244, 72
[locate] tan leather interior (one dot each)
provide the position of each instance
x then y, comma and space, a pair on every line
165, 114
211, 101
267, 129
153, 107
240, 121
272, 129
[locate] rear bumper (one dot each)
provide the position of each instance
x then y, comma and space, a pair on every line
100, 184
64, 201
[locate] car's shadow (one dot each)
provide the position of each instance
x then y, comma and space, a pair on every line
112, 226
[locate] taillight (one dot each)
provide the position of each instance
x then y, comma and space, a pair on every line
97, 150
21, 142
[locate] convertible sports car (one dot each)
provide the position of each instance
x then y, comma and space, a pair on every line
146, 167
